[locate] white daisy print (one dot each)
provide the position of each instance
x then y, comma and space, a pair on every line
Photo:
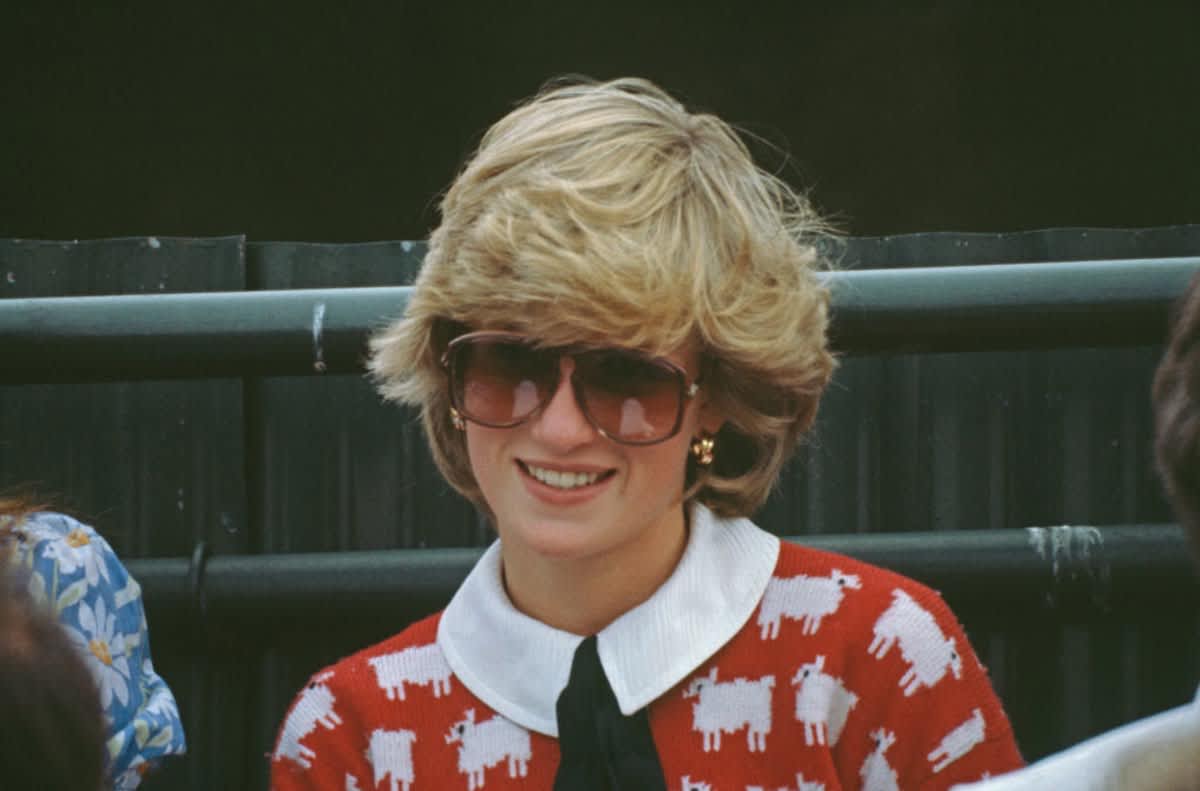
160, 702
104, 649
75, 550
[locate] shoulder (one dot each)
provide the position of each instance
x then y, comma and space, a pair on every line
51, 525
1155, 752
351, 709
358, 673
356, 684
867, 588
65, 557
895, 652
797, 558
49, 529
873, 608
72, 571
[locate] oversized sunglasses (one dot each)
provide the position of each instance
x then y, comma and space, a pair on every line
501, 379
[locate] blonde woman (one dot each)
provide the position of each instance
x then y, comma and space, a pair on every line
66, 570
616, 341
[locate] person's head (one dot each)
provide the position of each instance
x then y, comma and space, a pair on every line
605, 214
52, 732
1176, 397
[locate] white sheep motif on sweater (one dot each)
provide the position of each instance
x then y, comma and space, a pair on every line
485, 744
822, 703
926, 649
876, 773
688, 784
801, 785
958, 742
419, 665
803, 598
730, 706
390, 756
313, 708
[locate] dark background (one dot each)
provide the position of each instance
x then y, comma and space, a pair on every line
309, 122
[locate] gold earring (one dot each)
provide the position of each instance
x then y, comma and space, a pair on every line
457, 420
702, 448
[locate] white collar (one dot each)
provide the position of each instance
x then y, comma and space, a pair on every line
518, 665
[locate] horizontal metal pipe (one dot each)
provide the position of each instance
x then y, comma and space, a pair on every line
1059, 569
1009, 306
268, 333
202, 335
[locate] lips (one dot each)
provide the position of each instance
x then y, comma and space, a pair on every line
564, 480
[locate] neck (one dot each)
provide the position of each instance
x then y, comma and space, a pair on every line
584, 595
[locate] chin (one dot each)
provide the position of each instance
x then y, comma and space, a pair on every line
552, 538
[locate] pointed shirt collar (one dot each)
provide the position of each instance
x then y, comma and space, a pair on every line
518, 665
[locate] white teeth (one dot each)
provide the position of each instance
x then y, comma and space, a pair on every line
562, 480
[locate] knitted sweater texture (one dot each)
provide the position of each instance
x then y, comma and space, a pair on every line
846, 676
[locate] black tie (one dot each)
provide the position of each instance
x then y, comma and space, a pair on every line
602, 750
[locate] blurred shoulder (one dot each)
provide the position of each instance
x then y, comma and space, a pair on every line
58, 553
45, 528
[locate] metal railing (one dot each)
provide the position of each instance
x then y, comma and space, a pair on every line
264, 333
1066, 570
318, 331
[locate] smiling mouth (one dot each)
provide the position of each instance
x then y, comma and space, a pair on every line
565, 481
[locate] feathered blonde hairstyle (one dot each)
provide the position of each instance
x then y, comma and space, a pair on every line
606, 212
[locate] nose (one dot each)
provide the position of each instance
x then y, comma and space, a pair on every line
561, 423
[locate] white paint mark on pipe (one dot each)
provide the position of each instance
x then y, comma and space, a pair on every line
318, 330
1066, 546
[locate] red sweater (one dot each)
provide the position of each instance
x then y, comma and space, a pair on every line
845, 675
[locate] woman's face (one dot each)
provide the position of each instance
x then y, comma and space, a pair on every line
560, 489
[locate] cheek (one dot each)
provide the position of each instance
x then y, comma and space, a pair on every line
667, 462
482, 447
690, 428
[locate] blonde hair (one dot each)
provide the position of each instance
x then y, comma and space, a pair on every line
606, 212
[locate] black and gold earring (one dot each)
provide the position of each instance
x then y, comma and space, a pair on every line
457, 420
702, 448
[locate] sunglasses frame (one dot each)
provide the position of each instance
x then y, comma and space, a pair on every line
686, 390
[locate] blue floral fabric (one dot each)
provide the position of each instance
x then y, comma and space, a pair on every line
73, 571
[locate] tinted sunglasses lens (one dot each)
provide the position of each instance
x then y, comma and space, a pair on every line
500, 382
631, 398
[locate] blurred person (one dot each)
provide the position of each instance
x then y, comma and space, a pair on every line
1161, 752
616, 340
52, 730
65, 568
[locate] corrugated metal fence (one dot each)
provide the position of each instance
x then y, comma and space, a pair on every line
905, 443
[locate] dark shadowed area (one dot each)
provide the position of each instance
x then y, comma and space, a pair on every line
313, 122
